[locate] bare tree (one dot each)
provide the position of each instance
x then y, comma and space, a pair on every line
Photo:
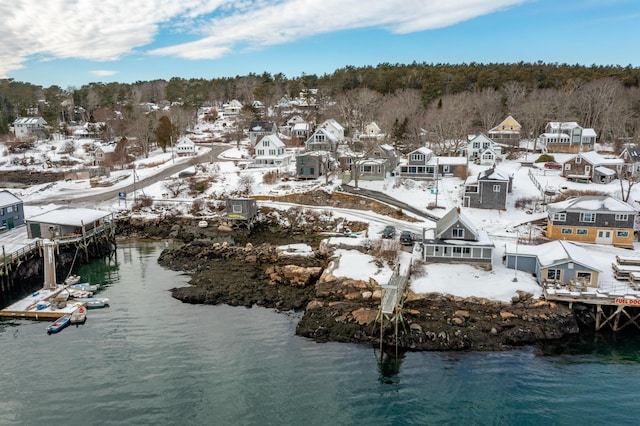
535, 111
449, 122
513, 93
405, 106
358, 107
488, 107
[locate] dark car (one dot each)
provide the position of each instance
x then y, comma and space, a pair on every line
406, 238
389, 231
552, 165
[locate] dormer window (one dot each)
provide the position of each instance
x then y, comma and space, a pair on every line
457, 233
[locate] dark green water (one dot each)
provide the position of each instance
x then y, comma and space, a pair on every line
149, 359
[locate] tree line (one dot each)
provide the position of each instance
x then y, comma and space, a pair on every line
410, 102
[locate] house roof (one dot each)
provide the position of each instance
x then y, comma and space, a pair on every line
185, 141
509, 121
632, 154
555, 253
494, 173
605, 171
330, 136
422, 150
479, 137
29, 121
332, 122
7, 198
69, 216
262, 126
597, 159
590, 203
272, 139
450, 218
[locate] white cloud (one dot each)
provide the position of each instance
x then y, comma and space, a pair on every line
279, 22
102, 30
103, 73
107, 30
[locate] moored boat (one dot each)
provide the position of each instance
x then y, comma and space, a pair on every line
85, 287
94, 302
72, 279
79, 316
59, 324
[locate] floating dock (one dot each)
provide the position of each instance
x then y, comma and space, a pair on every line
42, 305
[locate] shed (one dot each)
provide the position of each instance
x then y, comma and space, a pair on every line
241, 208
11, 211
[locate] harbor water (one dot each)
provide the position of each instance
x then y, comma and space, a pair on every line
150, 359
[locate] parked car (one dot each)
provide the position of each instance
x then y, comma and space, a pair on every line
407, 238
389, 231
552, 165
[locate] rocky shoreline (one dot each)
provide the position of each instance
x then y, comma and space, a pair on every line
236, 269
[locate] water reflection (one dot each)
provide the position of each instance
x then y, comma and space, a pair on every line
389, 367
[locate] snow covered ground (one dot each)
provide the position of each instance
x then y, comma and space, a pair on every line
228, 174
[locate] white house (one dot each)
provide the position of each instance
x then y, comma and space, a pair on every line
482, 150
185, 147
25, 127
271, 151
333, 127
567, 137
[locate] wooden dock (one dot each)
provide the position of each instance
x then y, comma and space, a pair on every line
31, 307
616, 307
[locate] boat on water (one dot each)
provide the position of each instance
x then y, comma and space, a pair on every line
72, 279
85, 286
79, 316
94, 302
59, 324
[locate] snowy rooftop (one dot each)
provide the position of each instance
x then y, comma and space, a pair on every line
591, 203
70, 217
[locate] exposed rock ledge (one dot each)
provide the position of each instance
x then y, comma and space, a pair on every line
345, 310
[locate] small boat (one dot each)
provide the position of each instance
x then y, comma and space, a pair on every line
79, 293
94, 302
79, 316
72, 279
59, 324
85, 287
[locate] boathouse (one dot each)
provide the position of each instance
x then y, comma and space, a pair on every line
67, 222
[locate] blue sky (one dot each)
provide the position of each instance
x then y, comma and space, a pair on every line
73, 42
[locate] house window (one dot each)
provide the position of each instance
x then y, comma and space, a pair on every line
559, 217
567, 166
496, 188
445, 169
476, 144
260, 152
457, 233
487, 156
622, 234
10, 209
430, 170
581, 232
622, 217
272, 152
461, 250
587, 217
237, 208
553, 274
578, 160
584, 277
471, 189
566, 231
